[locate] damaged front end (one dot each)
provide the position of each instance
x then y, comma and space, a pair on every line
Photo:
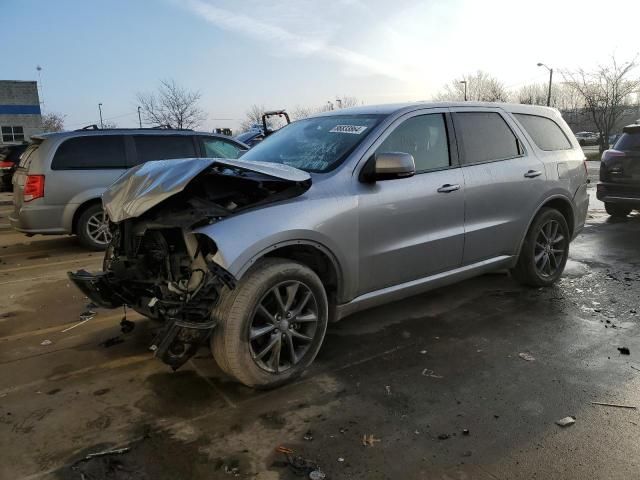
156, 264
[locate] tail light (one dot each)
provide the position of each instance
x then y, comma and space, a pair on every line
609, 154
6, 165
33, 187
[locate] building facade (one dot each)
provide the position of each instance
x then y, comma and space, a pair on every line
20, 115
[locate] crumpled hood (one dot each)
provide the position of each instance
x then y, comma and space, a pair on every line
145, 186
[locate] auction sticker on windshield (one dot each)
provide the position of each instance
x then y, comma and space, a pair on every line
354, 129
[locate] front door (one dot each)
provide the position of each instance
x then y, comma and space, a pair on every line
411, 228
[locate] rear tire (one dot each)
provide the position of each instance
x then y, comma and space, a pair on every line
617, 211
238, 344
545, 250
92, 228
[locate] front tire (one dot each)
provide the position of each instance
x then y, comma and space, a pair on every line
545, 250
92, 228
617, 211
271, 326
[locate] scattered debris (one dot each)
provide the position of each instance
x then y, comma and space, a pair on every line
76, 325
526, 356
423, 352
444, 436
465, 431
604, 404
369, 440
127, 326
115, 451
566, 421
430, 373
300, 465
388, 389
44, 343
110, 342
87, 315
308, 436
624, 351
340, 459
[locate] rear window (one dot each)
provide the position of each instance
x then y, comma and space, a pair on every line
546, 133
484, 137
90, 153
163, 147
628, 141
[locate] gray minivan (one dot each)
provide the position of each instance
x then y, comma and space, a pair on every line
61, 176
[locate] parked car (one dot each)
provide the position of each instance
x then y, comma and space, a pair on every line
619, 186
588, 138
334, 214
259, 132
61, 176
9, 158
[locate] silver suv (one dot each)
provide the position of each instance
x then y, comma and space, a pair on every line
61, 176
334, 214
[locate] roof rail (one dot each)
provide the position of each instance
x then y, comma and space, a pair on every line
88, 127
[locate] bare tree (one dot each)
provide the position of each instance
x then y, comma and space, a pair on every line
53, 122
107, 125
532, 94
253, 117
606, 92
481, 87
172, 105
341, 102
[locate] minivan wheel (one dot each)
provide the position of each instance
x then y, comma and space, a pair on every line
271, 326
92, 228
616, 210
545, 250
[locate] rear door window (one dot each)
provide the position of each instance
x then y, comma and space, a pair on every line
163, 147
90, 153
484, 137
546, 133
220, 148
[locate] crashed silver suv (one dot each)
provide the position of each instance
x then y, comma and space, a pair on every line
334, 214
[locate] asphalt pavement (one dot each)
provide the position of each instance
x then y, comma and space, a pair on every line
464, 382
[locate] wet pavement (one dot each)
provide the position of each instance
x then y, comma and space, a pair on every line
436, 384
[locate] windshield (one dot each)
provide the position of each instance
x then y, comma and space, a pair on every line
315, 144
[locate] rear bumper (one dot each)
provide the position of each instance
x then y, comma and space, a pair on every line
619, 194
43, 219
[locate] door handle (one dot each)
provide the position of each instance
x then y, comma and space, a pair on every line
447, 187
533, 173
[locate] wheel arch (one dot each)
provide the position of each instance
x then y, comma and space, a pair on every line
80, 210
558, 202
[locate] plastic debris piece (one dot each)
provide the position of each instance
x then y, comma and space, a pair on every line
423, 352
617, 405
430, 373
566, 421
388, 389
369, 440
465, 431
624, 351
317, 475
340, 459
152, 302
527, 356
87, 315
115, 451
44, 343
308, 436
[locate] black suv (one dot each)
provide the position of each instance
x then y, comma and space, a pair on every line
619, 186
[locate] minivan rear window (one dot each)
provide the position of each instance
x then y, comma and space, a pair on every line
90, 153
164, 147
545, 133
628, 141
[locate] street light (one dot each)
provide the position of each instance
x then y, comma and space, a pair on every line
550, 81
139, 118
100, 110
465, 89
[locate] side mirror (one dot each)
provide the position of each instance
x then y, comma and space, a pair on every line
388, 166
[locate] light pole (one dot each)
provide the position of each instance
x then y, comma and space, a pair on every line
39, 69
465, 89
100, 110
550, 81
139, 118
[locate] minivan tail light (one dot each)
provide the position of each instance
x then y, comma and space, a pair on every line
6, 165
33, 187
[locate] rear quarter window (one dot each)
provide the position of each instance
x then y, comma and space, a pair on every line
90, 153
544, 132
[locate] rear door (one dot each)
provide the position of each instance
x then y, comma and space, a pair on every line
411, 228
503, 182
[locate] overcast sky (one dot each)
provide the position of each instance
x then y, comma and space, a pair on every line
295, 52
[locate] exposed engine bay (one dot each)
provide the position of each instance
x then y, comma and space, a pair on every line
156, 265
